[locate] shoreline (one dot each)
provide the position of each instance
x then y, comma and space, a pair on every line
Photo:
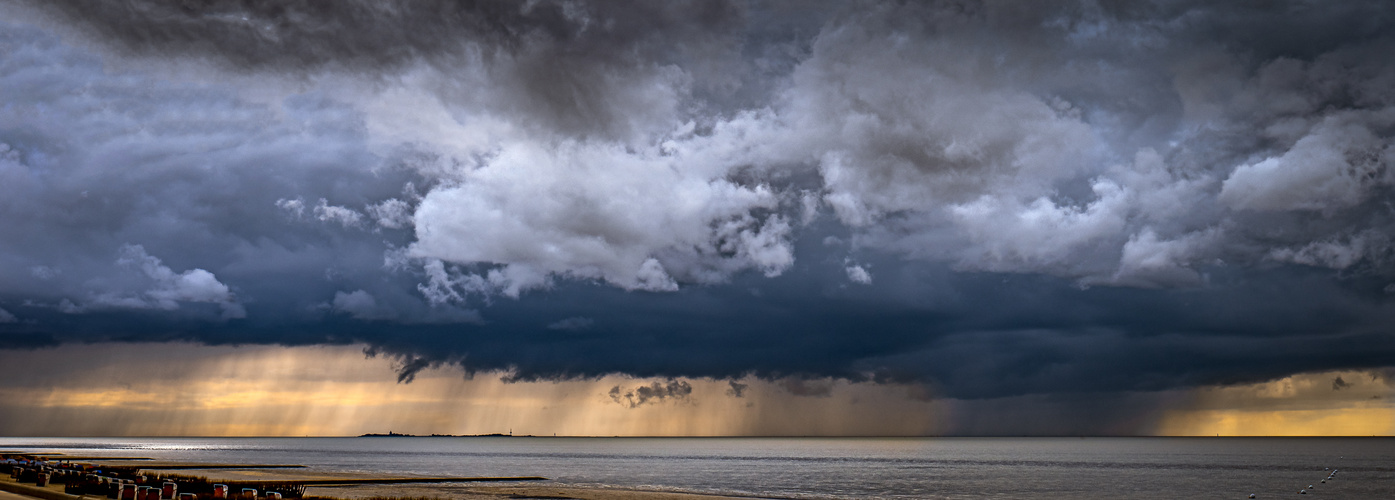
535, 491
455, 491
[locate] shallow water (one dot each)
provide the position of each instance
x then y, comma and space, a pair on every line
828, 468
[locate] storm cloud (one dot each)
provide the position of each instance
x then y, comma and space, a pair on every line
654, 393
989, 199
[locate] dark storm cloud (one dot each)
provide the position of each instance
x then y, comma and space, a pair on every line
563, 64
408, 367
654, 392
969, 335
736, 389
1339, 384
572, 323
384, 36
808, 388
990, 199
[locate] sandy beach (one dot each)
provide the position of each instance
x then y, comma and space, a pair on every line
542, 490
460, 491
562, 492
528, 492
519, 492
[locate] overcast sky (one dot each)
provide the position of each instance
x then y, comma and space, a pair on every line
984, 199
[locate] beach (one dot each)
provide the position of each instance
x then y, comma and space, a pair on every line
12, 489
461, 491
549, 492
512, 492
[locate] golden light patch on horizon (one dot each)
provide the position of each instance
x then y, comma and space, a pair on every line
103, 398
336, 390
1334, 422
1345, 403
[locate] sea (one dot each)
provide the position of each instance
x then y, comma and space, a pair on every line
827, 468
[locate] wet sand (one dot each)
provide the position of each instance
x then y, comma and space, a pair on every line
519, 492
532, 490
5, 495
539, 490
458, 492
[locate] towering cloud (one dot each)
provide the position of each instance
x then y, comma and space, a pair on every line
991, 199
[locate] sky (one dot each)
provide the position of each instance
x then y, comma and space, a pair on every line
697, 218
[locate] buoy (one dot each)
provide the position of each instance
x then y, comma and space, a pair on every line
1252, 495
1302, 492
1310, 486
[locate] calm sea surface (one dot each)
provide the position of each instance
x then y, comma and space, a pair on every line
837, 468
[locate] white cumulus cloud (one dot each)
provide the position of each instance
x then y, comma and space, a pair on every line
170, 288
359, 304
1335, 166
640, 219
857, 274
